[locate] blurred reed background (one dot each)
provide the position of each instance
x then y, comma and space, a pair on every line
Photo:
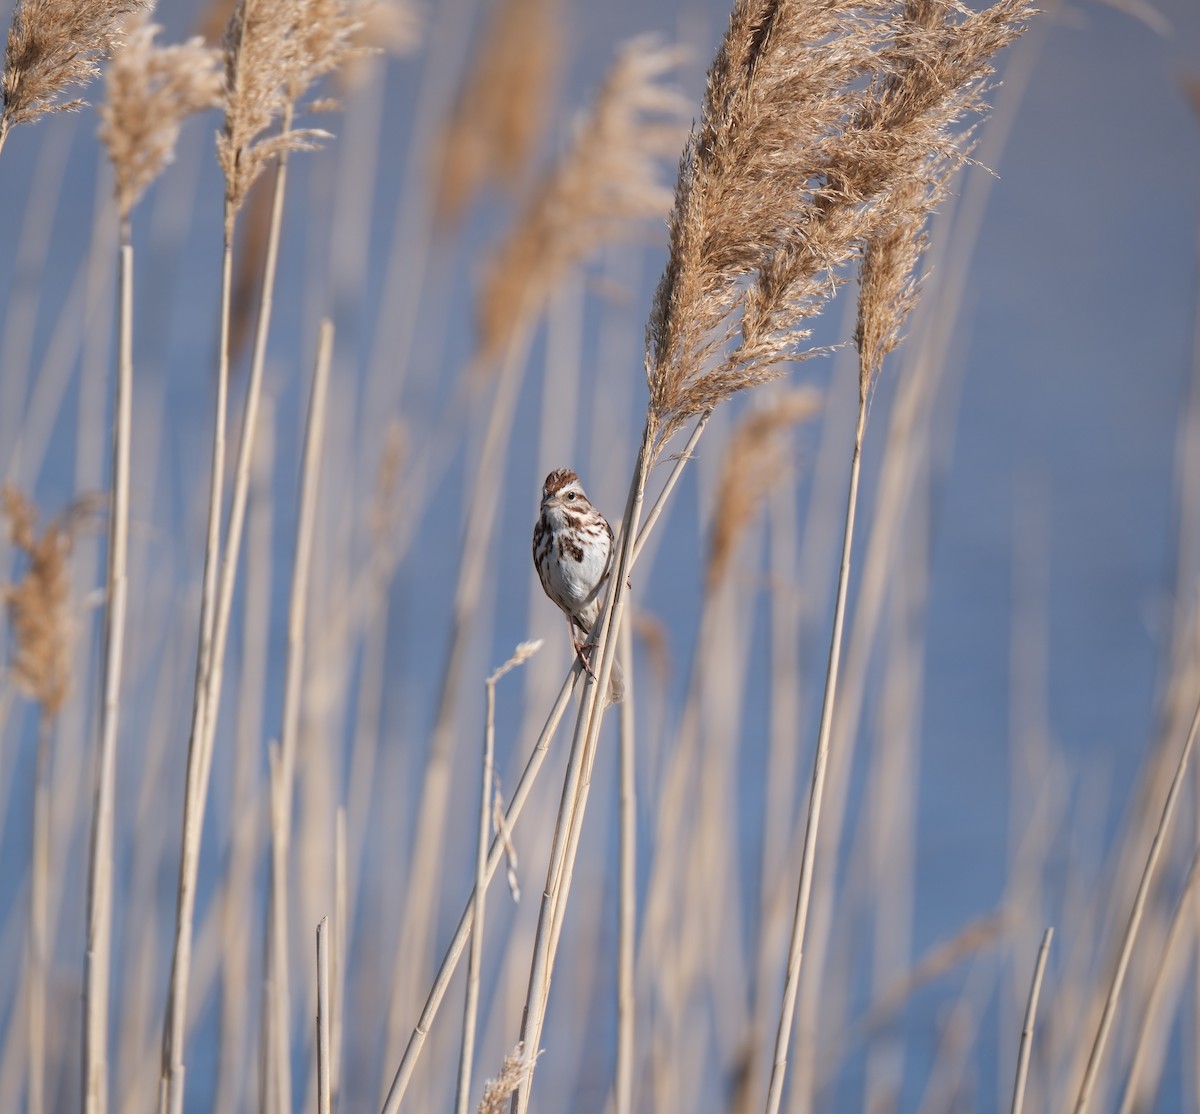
214, 735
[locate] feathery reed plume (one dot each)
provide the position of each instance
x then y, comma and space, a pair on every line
498, 1091
814, 118
53, 44
213, 19
755, 460
600, 189
274, 51
503, 108
38, 604
38, 614
151, 89
888, 287
388, 27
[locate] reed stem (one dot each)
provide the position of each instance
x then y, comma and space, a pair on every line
808, 856
1035, 989
627, 913
1135, 921
100, 867
475, 958
173, 1072
39, 917
324, 1087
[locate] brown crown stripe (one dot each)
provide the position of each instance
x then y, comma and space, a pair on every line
559, 479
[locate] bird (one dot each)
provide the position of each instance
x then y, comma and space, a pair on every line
573, 553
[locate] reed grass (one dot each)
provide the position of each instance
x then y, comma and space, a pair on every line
825, 139
39, 611
324, 1066
150, 91
522, 654
52, 46
1035, 989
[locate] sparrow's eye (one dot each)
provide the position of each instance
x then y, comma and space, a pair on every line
570, 495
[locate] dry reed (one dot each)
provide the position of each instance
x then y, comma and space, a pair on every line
324, 1072
1035, 989
754, 461
520, 655
626, 994
890, 227
824, 129
52, 45
602, 189
498, 1091
38, 605
39, 617
503, 108
1133, 925
151, 90
274, 51
818, 128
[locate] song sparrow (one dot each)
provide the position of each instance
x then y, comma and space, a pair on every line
573, 555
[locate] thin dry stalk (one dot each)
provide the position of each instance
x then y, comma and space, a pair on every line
627, 911
1035, 988
808, 855
54, 44
927, 375
1096, 1056
100, 868
341, 930
523, 653
249, 806
39, 916
324, 1068
503, 107
277, 919
172, 1074
1136, 1096
277, 1005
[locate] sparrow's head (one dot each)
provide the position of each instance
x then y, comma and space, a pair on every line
563, 489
